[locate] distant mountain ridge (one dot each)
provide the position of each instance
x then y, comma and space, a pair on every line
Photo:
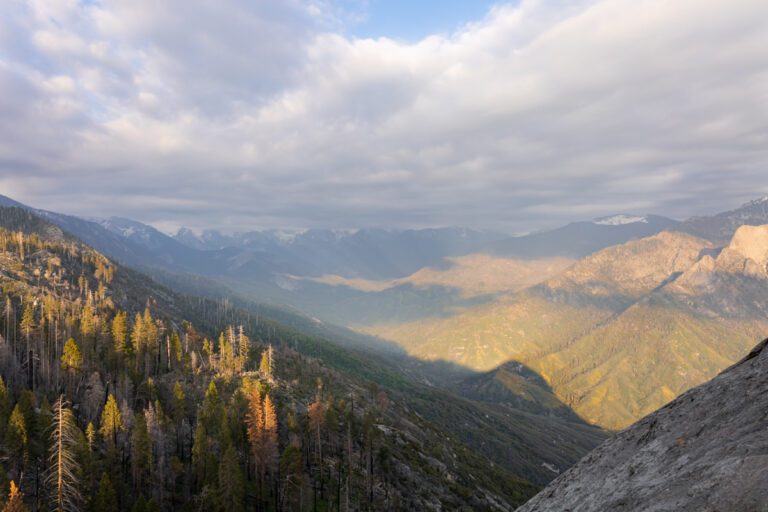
721, 227
579, 239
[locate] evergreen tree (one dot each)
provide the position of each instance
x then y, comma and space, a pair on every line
70, 362
16, 436
200, 453
231, 483
179, 412
106, 498
119, 330
264, 367
111, 420
90, 435
244, 349
141, 450
27, 323
211, 411
140, 505
137, 336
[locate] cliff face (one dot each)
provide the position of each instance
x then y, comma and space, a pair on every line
705, 451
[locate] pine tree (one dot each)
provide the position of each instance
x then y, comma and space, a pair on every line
119, 330
16, 436
137, 336
264, 367
179, 412
63, 466
111, 421
244, 349
90, 435
140, 505
27, 323
211, 409
141, 451
70, 362
200, 455
231, 483
106, 498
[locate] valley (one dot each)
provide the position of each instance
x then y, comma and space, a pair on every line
514, 357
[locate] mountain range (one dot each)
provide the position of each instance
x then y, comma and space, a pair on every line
610, 312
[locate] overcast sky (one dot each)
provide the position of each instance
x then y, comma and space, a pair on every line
243, 114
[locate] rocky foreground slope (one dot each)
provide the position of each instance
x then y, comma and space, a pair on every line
705, 451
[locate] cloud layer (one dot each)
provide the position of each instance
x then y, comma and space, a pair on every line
242, 115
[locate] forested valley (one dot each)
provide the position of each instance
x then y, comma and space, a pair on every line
118, 394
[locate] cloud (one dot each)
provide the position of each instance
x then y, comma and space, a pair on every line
245, 115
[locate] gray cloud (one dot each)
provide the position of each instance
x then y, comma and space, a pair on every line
257, 115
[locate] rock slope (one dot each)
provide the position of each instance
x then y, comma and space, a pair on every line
705, 451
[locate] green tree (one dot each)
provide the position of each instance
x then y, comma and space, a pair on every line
111, 422
179, 412
119, 331
105, 498
140, 505
27, 323
141, 450
70, 362
201, 456
16, 436
212, 409
90, 435
231, 483
264, 366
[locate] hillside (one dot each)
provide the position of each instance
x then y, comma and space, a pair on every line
704, 451
391, 435
621, 332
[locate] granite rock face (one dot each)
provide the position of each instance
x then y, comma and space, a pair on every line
705, 451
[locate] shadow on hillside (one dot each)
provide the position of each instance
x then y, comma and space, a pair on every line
509, 414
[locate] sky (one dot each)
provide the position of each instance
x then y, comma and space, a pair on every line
239, 115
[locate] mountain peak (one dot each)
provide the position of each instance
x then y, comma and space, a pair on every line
752, 243
755, 202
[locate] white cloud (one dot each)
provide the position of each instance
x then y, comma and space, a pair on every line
256, 113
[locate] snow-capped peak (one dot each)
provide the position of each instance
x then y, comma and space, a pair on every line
619, 220
756, 202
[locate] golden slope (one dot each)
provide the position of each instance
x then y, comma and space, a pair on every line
613, 335
475, 274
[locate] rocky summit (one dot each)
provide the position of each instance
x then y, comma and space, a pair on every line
705, 451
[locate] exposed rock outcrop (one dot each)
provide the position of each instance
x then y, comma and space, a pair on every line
705, 451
